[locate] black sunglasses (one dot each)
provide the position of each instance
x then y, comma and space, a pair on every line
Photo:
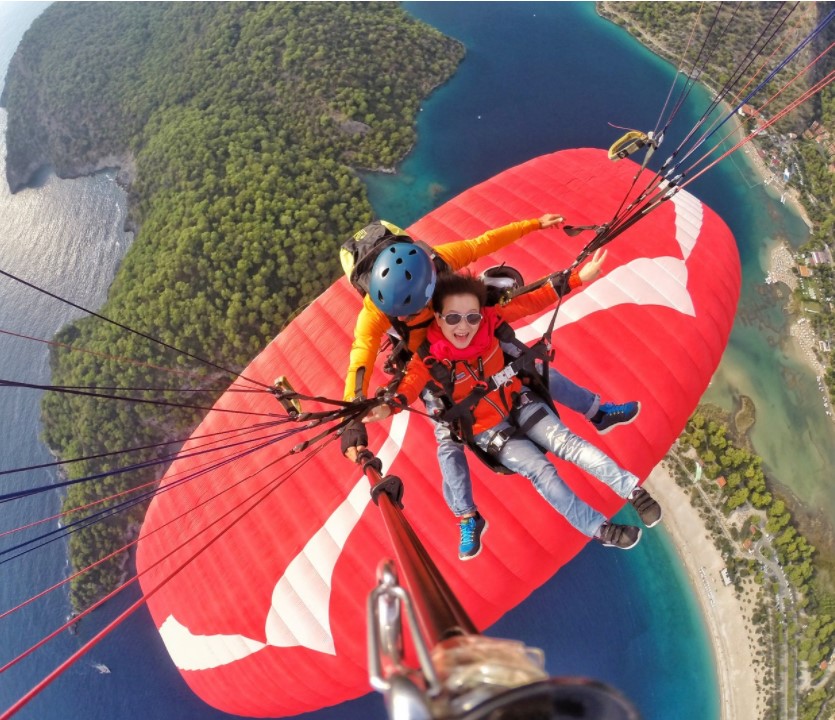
454, 318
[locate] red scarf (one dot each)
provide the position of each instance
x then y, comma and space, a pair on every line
443, 349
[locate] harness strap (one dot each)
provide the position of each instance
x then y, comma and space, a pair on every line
538, 415
359, 376
460, 414
400, 354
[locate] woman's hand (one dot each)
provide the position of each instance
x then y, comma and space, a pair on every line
380, 412
593, 267
549, 220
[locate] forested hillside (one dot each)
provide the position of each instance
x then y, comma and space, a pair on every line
725, 42
242, 125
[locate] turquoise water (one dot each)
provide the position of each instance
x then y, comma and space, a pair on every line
625, 619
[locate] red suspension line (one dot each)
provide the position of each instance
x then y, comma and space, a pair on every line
197, 473
139, 363
63, 666
782, 42
764, 105
811, 91
61, 514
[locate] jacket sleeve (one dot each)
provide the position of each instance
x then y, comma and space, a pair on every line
535, 300
368, 334
463, 252
416, 378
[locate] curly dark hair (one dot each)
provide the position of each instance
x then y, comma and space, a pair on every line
450, 283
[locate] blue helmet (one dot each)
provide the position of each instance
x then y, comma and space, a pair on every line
402, 280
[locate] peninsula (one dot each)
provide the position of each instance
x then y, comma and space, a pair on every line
238, 129
239, 168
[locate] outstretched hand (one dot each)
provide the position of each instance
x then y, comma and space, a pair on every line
352, 453
354, 440
593, 267
550, 220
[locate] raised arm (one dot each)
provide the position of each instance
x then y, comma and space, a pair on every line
464, 252
539, 299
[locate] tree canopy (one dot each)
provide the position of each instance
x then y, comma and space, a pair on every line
244, 124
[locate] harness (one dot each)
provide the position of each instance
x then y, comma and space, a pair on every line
524, 362
399, 355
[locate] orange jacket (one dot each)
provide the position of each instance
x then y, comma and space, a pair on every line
496, 405
372, 324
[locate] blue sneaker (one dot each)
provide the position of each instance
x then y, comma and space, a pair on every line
609, 415
471, 529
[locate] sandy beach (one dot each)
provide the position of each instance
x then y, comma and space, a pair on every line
727, 619
769, 176
780, 267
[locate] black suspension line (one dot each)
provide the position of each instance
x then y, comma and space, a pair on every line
657, 129
130, 330
18, 494
166, 524
108, 396
736, 75
113, 510
178, 441
660, 188
110, 627
105, 356
692, 75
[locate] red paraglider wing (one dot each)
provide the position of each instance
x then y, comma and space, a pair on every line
263, 611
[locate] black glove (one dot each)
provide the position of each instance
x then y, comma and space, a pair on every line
355, 435
559, 281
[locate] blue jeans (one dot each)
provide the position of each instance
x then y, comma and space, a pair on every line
567, 393
524, 457
455, 472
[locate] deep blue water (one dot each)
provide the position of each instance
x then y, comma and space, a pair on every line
537, 78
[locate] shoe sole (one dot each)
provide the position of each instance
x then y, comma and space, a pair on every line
627, 547
621, 424
653, 524
464, 558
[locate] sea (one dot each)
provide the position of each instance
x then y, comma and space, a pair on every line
537, 77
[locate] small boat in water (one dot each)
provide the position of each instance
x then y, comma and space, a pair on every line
102, 668
72, 627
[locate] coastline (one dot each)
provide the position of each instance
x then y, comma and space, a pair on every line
728, 620
609, 11
762, 170
802, 338
780, 267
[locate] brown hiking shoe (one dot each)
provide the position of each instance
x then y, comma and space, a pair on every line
624, 537
648, 509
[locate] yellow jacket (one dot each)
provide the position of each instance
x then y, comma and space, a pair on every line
372, 324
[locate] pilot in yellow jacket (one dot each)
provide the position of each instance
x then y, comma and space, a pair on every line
373, 323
